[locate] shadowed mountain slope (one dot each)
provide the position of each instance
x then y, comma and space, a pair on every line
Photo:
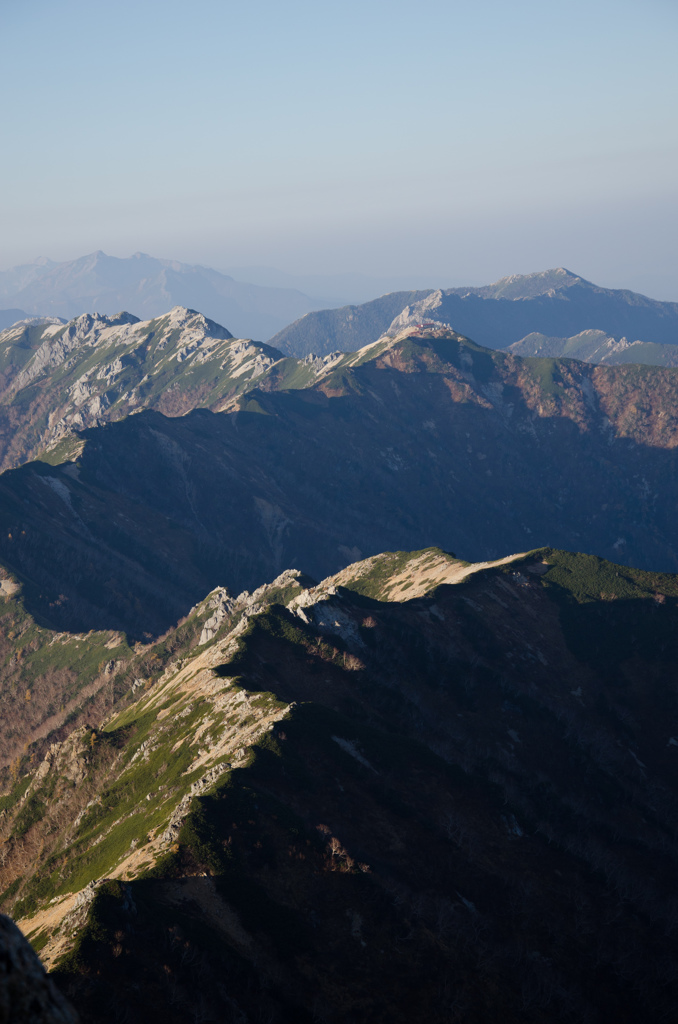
337, 806
423, 439
555, 303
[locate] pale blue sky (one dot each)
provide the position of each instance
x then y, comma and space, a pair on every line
462, 141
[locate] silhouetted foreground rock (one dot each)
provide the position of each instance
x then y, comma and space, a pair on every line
27, 995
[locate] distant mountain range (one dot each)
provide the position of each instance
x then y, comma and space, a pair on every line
597, 347
423, 438
147, 287
555, 303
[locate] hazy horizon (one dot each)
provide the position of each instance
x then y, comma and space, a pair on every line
341, 288
428, 142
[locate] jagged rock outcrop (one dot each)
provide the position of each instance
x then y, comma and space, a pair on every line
59, 342
423, 311
180, 813
221, 603
99, 368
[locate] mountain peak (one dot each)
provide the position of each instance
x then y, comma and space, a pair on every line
182, 316
529, 286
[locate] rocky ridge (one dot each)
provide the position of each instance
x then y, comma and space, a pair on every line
597, 347
218, 723
59, 377
342, 795
53, 681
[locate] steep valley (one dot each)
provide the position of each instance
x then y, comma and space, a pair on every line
338, 802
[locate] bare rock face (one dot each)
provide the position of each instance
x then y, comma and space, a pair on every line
97, 369
26, 993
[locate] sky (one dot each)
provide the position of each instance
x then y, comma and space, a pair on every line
447, 141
